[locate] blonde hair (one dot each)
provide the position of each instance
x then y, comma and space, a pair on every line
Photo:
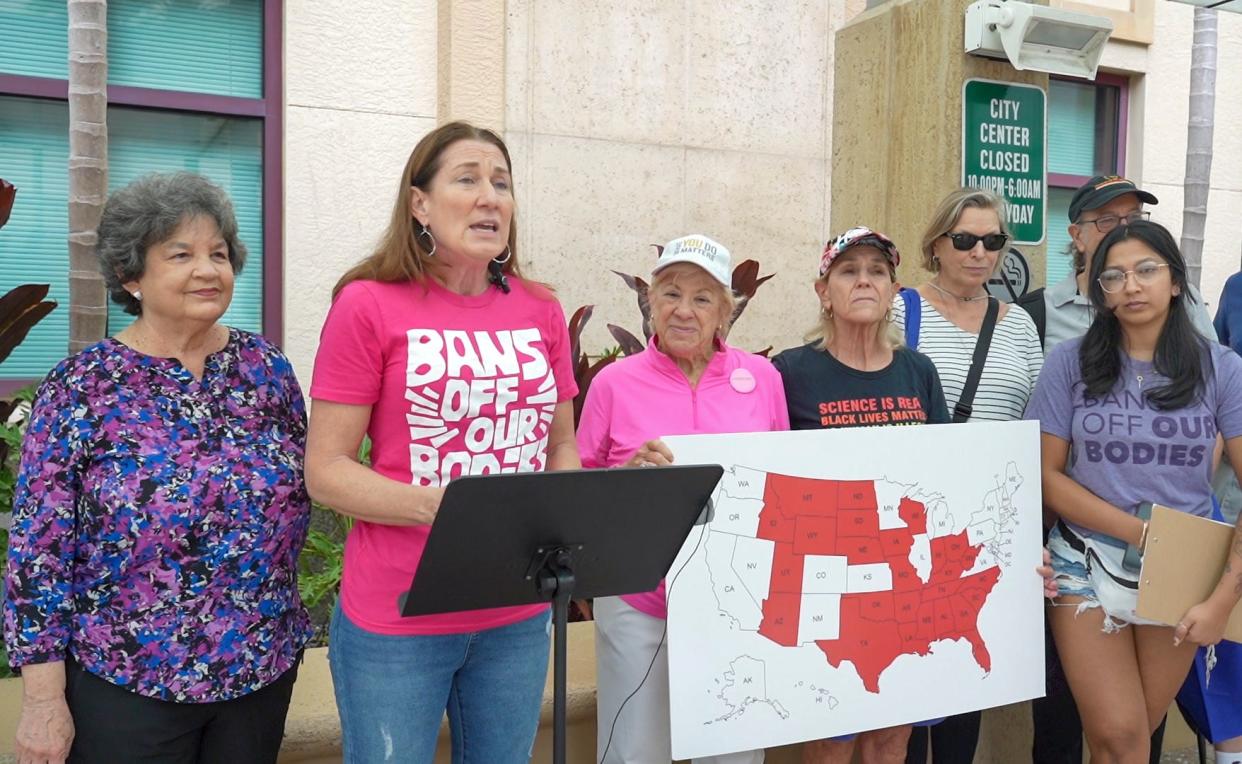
949, 211
403, 255
670, 273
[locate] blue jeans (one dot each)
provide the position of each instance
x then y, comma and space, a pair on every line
392, 692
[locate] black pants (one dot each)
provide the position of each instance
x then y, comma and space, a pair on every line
113, 724
1058, 729
952, 741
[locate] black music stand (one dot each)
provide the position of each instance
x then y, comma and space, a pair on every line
502, 540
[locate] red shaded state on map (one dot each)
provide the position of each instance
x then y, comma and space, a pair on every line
804, 496
914, 514
870, 645
780, 618
952, 556
815, 535
786, 570
859, 550
855, 494
773, 525
829, 517
864, 523
896, 542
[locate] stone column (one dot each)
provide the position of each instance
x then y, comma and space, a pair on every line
470, 43
897, 120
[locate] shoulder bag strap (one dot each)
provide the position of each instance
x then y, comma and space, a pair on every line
965, 404
914, 316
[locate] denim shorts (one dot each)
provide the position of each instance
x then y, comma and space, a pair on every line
1069, 568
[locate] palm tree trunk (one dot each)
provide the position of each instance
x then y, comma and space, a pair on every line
88, 168
1199, 140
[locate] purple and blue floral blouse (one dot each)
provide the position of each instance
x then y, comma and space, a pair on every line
157, 522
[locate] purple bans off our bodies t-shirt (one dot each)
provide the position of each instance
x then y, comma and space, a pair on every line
1125, 450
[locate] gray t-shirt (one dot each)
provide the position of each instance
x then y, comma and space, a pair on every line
1124, 450
1069, 313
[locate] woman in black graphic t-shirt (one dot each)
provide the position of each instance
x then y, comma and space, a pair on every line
855, 373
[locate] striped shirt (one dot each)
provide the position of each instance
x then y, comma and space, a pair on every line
1013, 363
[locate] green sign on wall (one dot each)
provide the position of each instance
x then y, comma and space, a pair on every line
1004, 149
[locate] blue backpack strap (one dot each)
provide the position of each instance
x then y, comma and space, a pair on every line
914, 315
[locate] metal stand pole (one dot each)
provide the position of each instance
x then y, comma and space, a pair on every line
556, 581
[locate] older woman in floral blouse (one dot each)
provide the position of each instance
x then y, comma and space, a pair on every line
151, 598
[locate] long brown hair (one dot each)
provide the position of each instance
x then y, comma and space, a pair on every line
401, 254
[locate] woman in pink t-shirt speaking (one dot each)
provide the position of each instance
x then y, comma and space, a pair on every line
453, 364
688, 381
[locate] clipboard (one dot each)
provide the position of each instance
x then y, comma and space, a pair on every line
1182, 566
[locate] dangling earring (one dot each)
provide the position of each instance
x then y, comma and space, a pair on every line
504, 258
888, 315
427, 231
138, 295
828, 312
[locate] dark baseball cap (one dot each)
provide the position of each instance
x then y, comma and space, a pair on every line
1101, 190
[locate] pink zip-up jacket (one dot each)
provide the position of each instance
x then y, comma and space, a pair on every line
646, 396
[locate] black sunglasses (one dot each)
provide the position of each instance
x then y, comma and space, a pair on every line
964, 242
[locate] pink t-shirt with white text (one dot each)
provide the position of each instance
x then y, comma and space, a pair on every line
458, 385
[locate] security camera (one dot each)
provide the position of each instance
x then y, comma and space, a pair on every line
1037, 37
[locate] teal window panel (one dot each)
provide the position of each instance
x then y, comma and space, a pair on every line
1071, 128
197, 46
227, 151
34, 38
34, 157
148, 43
34, 154
1060, 263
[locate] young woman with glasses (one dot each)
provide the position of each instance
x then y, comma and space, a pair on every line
1139, 401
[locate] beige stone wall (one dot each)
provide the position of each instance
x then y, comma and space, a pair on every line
897, 113
633, 123
360, 90
1157, 137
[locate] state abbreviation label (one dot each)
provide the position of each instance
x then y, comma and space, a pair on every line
1004, 150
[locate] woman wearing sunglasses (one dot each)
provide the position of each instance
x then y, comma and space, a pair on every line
947, 319
1139, 401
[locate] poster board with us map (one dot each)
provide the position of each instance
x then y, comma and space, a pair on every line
855, 579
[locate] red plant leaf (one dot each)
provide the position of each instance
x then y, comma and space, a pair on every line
577, 323
8, 192
640, 288
746, 283
20, 299
584, 377
14, 331
630, 345
744, 277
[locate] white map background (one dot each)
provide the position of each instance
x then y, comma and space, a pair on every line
732, 689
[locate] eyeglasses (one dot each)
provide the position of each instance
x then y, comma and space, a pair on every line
1106, 223
964, 242
1113, 280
